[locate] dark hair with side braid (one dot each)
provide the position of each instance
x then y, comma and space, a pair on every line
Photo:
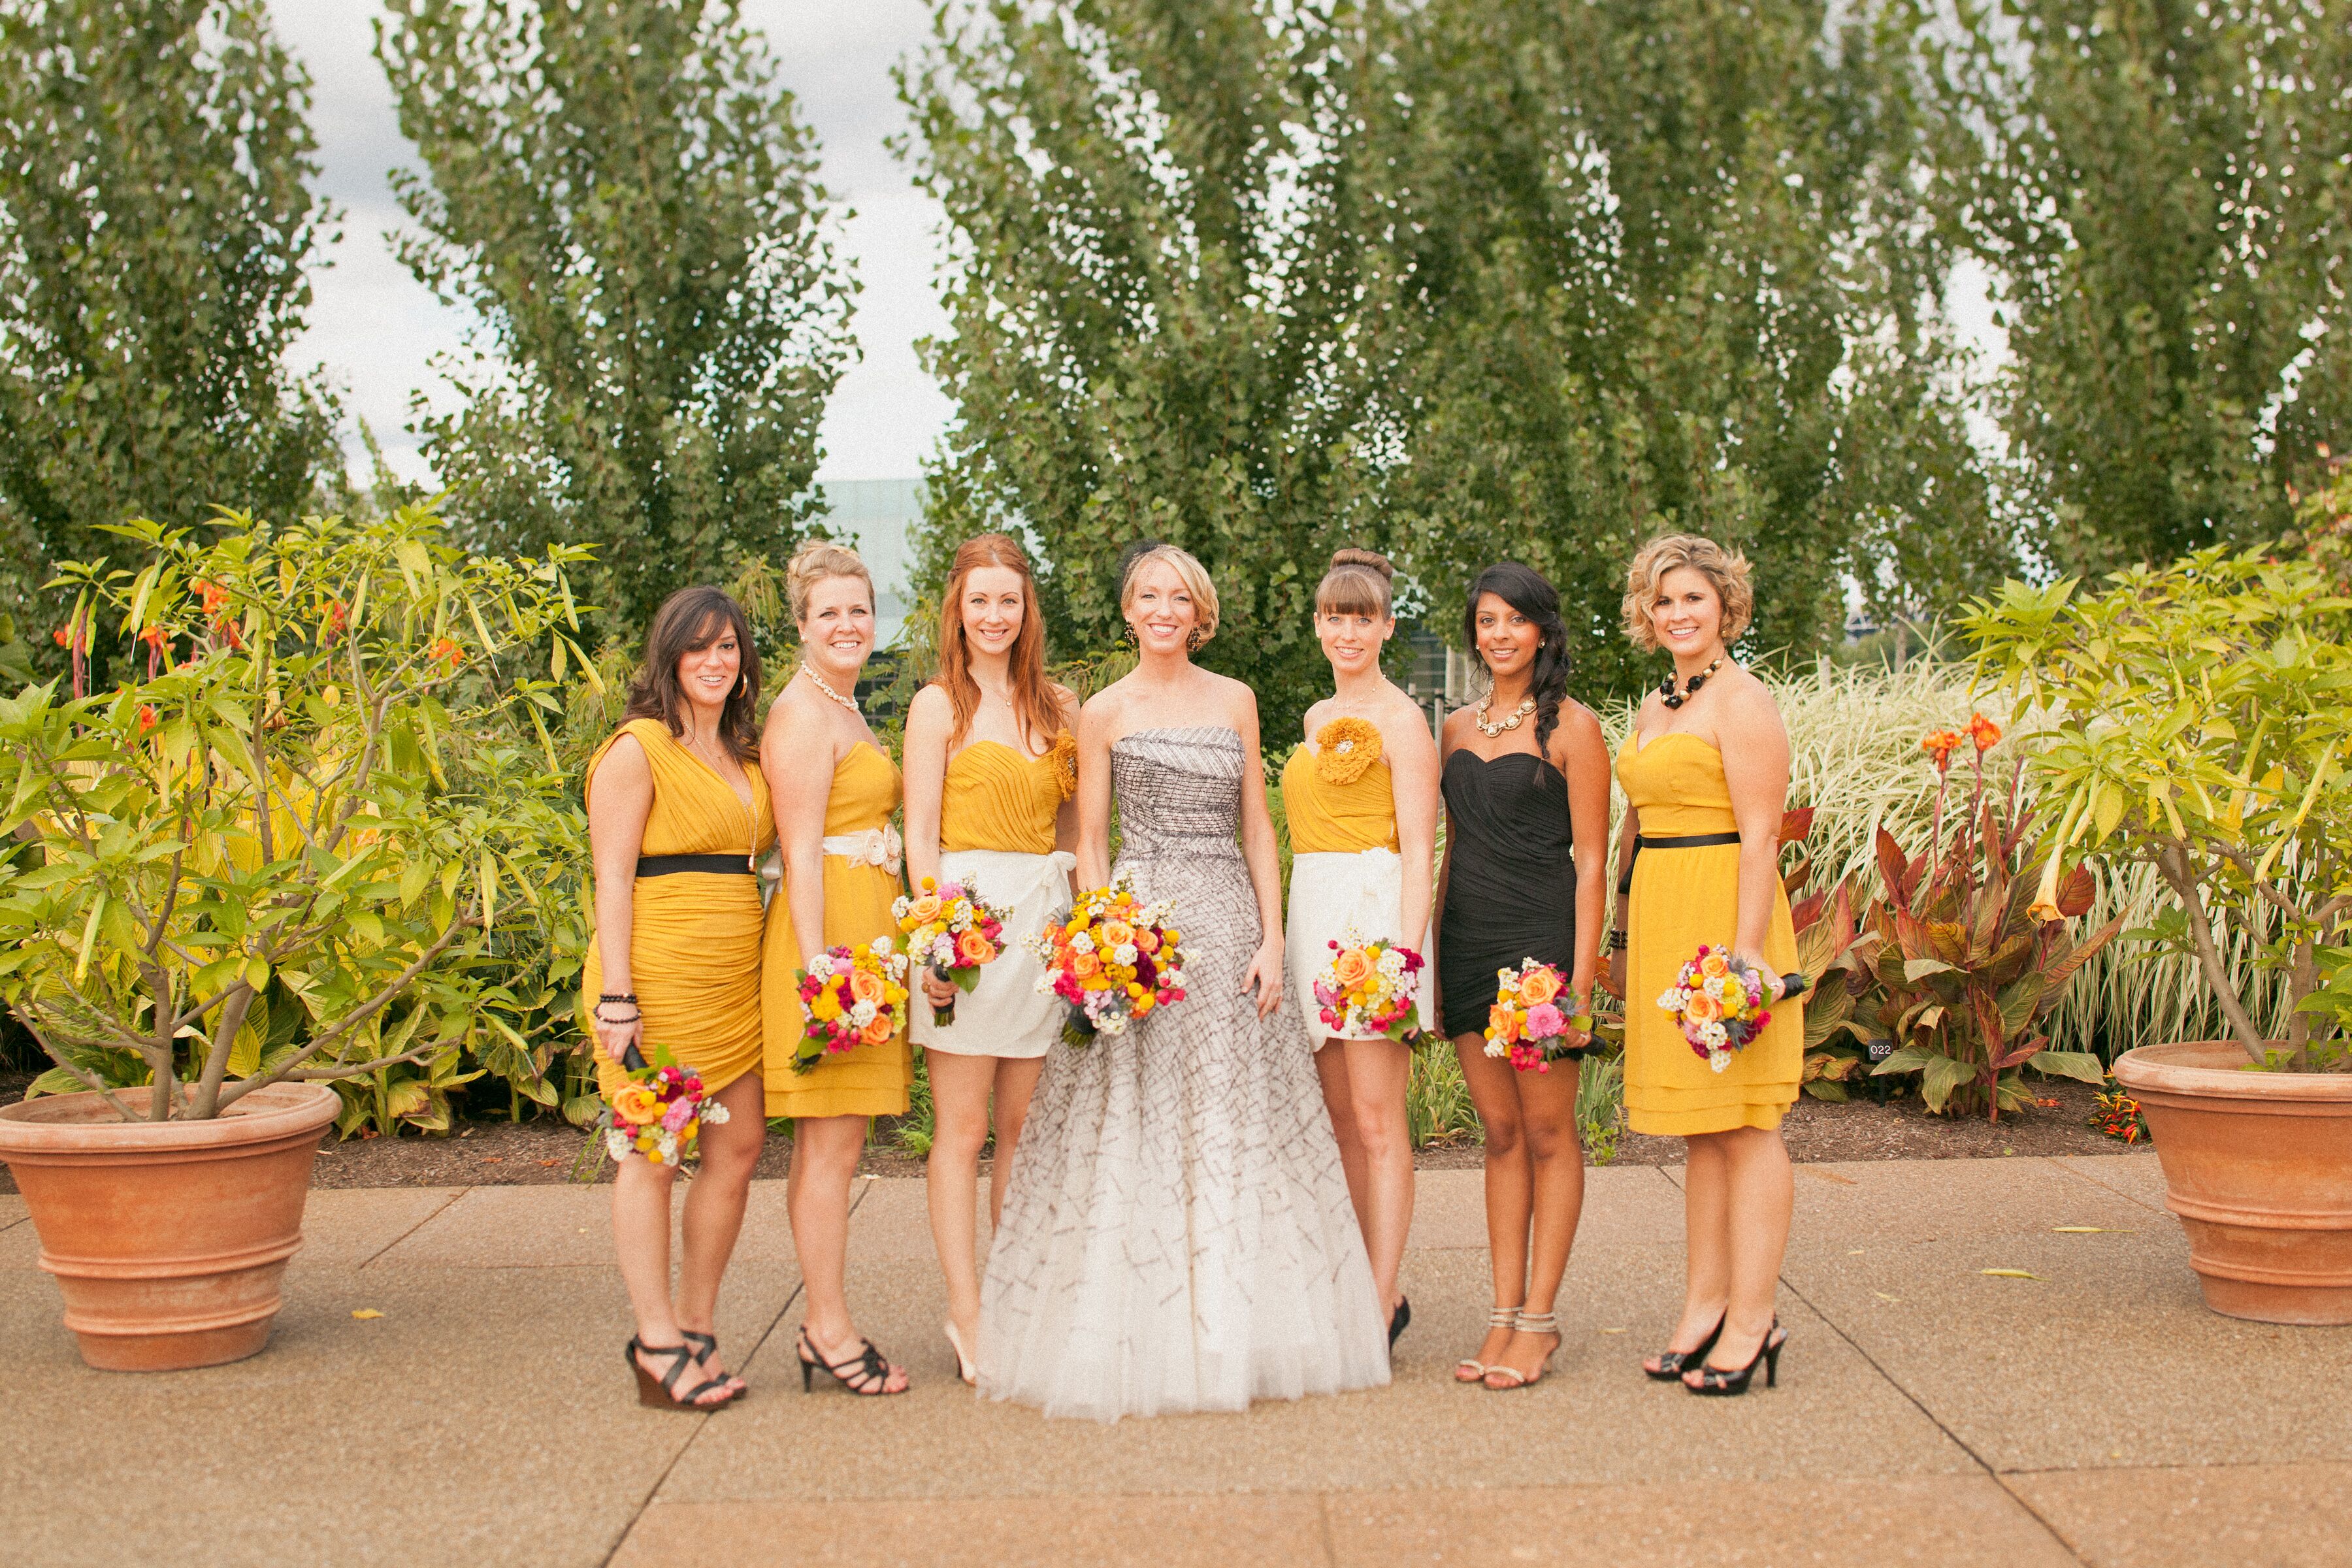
1530, 592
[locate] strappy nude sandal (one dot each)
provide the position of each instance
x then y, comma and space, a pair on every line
1470, 1370
1526, 1323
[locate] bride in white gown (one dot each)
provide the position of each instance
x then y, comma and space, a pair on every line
1178, 1234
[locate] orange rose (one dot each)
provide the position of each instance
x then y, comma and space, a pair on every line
865, 985
974, 948
1351, 968
1540, 987
1702, 1008
1715, 966
636, 1104
925, 908
1117, 932
1146, 942
1086, 966
1502, 1022
880, 1029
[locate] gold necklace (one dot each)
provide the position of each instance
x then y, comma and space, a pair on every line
1518, 716
849, 702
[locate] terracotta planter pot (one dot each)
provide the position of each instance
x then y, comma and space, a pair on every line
168, 1241
2258, 1165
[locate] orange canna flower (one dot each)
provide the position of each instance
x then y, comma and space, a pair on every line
448, 652
147, 720
1984, 733
1940, 746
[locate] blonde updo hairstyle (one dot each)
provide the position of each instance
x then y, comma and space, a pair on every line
1188, 572
1359, 583
813, 562
1725, 570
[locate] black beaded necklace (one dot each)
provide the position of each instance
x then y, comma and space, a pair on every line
1673, 698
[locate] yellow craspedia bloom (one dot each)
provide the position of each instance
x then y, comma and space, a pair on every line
826, 1007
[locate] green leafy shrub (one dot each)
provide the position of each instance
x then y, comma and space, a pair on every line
312, 842
2195, 717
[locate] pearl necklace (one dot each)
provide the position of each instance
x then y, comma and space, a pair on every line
1673, 698
849, 702
1518, 716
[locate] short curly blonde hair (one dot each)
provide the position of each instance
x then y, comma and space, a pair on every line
1726, 570
1188, 572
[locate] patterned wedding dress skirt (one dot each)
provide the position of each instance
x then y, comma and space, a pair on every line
1178, 1234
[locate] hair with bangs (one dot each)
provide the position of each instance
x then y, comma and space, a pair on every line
1358, 583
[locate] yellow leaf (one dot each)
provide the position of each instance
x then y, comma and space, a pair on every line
2009, 1273
364, 1313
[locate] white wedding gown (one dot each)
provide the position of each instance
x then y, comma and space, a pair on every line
1178, 1234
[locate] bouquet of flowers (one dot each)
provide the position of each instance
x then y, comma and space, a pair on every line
1367, 988
658, 1113
1114, 959
1721, 1003
852, 996
1527, 1022
951, 930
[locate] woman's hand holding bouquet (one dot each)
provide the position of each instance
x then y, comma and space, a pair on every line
1536, 1019
1721, 1001
1367, 988
658, 1113
1114, 959
950, 931
851, 996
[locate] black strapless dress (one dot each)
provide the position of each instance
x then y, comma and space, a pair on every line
1510, 888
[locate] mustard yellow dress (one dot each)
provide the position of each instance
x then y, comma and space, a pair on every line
1346, 875
998, 809
1683, 896
694, 939
865, 1080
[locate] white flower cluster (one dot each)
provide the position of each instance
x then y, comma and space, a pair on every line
1123, 953
862, 1014
618, 1145
1393, 963
1715, 987
1082, 943
1674, 999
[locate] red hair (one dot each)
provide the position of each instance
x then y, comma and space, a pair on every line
1036, 703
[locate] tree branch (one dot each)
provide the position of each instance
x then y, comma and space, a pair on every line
89, 1079
2172, 864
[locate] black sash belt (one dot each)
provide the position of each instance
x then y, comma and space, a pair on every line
1688, 841
671, 864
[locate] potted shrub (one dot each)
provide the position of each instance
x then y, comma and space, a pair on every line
274, 859
2200, 719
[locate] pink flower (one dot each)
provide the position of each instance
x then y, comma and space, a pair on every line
1545, 1020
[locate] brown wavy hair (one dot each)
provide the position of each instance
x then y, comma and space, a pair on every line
688, 622
1035, 702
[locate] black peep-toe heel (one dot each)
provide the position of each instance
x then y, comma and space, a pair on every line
1399, 1319
1735, 1380
1671, 1363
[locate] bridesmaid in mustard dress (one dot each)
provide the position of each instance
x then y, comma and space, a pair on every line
835, 791
678, 817
990, 770
1361, 802
1706, 771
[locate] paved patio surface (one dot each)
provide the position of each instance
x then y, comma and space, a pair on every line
1927, 1412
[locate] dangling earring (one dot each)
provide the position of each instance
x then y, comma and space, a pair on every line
1132, 639
1193, 639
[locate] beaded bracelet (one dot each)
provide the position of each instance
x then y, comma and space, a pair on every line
618, 996
1617, 942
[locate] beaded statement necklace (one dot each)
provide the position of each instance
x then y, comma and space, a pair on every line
849, 702
1517, 716
1673, 698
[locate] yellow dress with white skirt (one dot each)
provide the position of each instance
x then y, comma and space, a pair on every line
997, 814
1346, 879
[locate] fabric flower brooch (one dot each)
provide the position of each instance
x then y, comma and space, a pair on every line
1344, 748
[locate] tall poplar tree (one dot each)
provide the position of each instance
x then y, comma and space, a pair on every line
155, 235
627, 199
2162, 190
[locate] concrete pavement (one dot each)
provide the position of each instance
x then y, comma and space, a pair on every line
1927, 1412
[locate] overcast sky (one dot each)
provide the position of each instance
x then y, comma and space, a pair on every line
376, 330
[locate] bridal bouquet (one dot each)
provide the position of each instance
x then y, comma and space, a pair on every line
852, 996
1527, 1022
1367, 988
1721, 1003
1113, 959
658, 1113
951, 930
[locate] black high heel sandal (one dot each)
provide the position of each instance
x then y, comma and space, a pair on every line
1671, 1364
707, 1346
1735, 1380
1399, 1319
660, 1393
872, 1372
